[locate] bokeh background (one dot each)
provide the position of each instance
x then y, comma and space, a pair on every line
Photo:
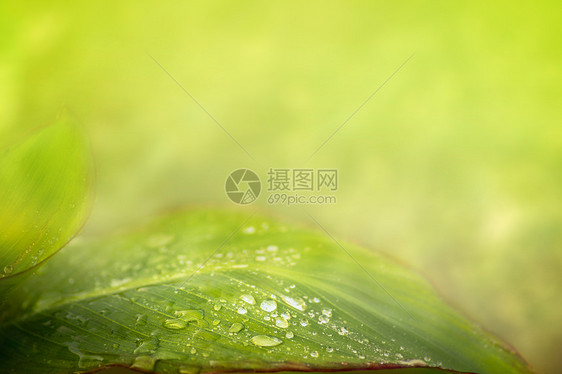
454, 167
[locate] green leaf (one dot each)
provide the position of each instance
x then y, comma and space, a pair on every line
44, 185
221, 291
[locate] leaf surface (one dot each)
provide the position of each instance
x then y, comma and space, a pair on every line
44, 197
216, 291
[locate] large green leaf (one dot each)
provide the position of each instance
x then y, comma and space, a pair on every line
222, 291
44, 185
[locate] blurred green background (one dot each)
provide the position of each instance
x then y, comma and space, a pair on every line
454, 167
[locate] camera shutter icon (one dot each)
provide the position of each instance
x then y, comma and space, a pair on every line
243, 186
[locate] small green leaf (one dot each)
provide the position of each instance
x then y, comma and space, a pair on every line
44, 185
219, 291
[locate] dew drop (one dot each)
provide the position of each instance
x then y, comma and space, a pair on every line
272, 248
189, 370
281, 322
413, 362
295, 302
119, 282
268, 305
144, 363
289, 335
242, 311
175, 324
266, 341
329, 349
147, 346
236, 327
248, 299
323, 319
303, 322
314, 354
217, 307
343, 331
190, 315
8, 269
249, 230
193, 351
84, 360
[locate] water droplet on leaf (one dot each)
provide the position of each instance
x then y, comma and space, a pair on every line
268, 305
236, 327
248, 299
266, 341
175, 324
144, 363
249, 230
190, 315
295, 302
281, 322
